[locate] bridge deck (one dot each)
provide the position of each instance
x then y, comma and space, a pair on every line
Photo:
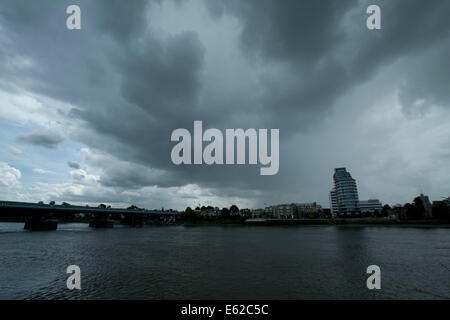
78, 209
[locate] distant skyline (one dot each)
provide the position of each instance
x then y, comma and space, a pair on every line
86, 115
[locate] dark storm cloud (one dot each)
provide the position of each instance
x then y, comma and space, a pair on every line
73, 165
120, 19
132, 87
427, 84
47, 140
166, 85
325, 48
297, 31
133, 177
132, 84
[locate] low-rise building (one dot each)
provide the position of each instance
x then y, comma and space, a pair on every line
308, 210
294, 211
269, 211
370, 206
258, 213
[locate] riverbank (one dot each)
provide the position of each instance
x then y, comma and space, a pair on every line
242, 221
392, 222
309, 222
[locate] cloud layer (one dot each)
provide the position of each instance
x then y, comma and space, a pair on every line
109, 95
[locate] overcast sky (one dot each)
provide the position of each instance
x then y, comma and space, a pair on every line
86, 115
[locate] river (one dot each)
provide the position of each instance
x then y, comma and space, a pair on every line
225, 262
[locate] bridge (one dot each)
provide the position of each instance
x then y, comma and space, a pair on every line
40, 216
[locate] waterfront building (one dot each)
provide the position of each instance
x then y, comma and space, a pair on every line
209, 211
346, 193
370, 205
308, 210
294, 210
444, 201
283, 211
258, 213
310, 205
333, 202
269, 211
326, 213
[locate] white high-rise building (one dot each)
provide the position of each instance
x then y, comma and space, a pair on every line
333, 202
344, 196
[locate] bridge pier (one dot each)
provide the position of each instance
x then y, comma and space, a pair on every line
101, 221
133, 220
39, 223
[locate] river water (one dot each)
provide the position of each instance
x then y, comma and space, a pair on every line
225, 262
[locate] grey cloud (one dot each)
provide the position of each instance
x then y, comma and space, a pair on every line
48, 140
130, 93
427, 84
133, 177
15, 151
324, 48
167, 84
298, 31
120, 19
73, 165
132, 84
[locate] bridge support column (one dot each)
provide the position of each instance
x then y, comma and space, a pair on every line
133, 220
39, 223
101, 221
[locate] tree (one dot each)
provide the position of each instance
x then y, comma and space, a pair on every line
132, 207
225, 213
410, 211
190, 214
420, 209
101, 205
234, 209
385, 211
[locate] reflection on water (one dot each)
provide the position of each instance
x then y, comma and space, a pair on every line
238, 262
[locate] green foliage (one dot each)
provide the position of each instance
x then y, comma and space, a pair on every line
190, 214
225, 213
385, 211
418, 204
234, 209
